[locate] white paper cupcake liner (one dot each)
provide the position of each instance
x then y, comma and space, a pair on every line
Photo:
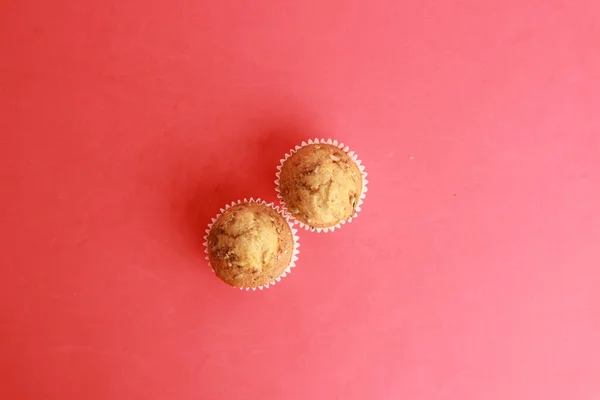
294, 231
354, 158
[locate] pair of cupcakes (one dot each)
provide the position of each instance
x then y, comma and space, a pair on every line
252, 244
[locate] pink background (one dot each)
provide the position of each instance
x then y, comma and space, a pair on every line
473, 271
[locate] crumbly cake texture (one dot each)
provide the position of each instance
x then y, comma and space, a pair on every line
250, 245
321, 185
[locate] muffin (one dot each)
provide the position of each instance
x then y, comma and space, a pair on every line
321, 185
250, 245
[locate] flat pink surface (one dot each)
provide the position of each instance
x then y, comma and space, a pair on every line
473, 271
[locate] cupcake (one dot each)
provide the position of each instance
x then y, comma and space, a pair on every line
321, 184
251, 245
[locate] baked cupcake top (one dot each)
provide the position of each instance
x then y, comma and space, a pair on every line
250, 245
320, 185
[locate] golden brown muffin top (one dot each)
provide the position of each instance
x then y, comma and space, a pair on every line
250, 245
320, 185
